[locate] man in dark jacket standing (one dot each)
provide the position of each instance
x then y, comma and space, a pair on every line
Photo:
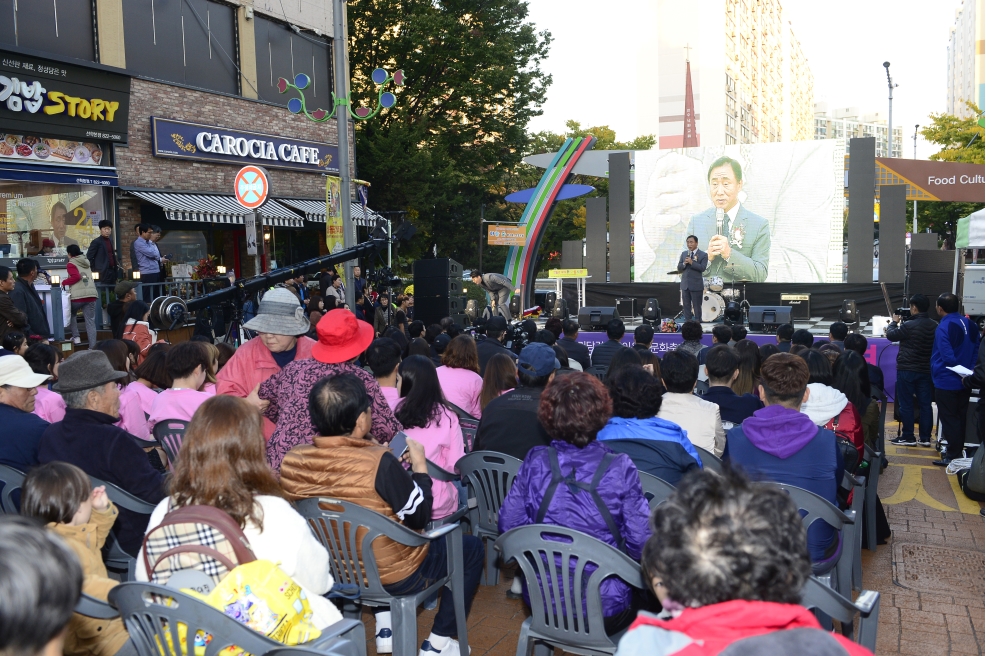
22, 430
575, 351
11, 319
102, 255
27, 299
602, 354
956, 345
916, 337
722, 367
496, 329
88, 439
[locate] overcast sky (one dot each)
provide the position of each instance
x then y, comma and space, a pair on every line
594, 64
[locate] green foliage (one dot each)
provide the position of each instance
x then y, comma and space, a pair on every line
942, 217
474, 292
961, 139
473, 84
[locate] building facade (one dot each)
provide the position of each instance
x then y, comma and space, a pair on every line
750, 81
847, 123
967, 59
194, 97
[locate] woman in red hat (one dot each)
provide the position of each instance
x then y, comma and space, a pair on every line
341, 340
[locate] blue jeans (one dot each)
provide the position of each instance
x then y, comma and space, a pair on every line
909, 384
434, 567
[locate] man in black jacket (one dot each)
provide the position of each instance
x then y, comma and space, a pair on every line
101, 254
916, 337
575, 350
125, 293
603, 353
496, 330
722, 366
27, 299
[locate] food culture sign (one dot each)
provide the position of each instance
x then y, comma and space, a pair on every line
39, 96
209, 143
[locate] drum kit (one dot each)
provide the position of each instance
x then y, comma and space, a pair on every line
717, 297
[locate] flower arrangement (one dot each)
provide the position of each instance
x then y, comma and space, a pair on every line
206, 268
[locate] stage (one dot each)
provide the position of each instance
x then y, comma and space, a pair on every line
880, 351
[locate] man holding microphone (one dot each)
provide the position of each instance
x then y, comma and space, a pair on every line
691, 264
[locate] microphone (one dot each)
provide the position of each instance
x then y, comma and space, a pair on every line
720, 216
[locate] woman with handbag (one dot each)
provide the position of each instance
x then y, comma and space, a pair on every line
82, 288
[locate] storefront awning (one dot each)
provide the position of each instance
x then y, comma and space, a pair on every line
53, 173
217, 208
314, 210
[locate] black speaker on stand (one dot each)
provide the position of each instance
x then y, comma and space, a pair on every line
559, 309
515, 309
651, 314
849, 314
766, 318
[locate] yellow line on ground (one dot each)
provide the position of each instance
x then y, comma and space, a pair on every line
912, 487
966, 505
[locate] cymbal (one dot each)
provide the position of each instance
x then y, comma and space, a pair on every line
744, 280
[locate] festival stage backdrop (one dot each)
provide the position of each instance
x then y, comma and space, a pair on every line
788, 225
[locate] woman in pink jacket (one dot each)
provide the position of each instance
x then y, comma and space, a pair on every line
459, 375
281, 324
44, 360
427, 419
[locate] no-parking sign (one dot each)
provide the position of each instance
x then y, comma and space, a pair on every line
251, 187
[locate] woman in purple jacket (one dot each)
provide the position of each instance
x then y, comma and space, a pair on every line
555, 484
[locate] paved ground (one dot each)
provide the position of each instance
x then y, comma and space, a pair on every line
930, 573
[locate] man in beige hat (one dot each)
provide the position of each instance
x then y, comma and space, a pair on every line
88, 439
22, 430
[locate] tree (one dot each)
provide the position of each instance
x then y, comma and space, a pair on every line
961, 139
473, 84
942, 218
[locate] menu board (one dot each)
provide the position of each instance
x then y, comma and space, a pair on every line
52, 151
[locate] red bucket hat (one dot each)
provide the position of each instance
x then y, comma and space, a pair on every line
341, 337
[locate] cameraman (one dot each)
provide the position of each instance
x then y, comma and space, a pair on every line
916, 337
499, 288
496, 334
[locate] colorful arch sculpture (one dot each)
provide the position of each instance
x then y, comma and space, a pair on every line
520, 266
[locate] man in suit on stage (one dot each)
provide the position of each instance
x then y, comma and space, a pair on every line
691, 264
739, 240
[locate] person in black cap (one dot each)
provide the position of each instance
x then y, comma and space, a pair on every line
496, 333
510, 422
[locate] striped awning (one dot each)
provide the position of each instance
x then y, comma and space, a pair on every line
314, 210
217, 208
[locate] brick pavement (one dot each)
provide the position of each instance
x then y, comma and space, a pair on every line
930, 574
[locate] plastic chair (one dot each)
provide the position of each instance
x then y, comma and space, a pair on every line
116, 558
348, 531
656, 490
152, 623
566, 607
709, 460
489, 476
469, 428
822, 598
93, 607
169, 433
13, 480
875, 459
881, 396
858, 486
817, 508
444, 476
598, 370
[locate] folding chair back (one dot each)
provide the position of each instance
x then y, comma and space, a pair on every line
170, 433
12, 480
656, 490
709, 460
820, 597
488, 475
116, 558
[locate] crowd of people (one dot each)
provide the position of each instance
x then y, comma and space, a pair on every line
309, 406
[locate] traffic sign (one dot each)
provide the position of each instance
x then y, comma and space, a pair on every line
250, 187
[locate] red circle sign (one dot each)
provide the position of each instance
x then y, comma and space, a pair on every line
250, 187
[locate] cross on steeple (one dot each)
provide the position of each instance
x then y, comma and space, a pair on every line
687, 48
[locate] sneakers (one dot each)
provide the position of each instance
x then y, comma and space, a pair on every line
451, 649
924, 441
76, 340
944, 462
385, 641
904, 441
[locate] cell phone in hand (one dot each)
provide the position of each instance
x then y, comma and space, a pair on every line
398, 445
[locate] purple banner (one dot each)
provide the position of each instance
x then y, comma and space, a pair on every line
880, 351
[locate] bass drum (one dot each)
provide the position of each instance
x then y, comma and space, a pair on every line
712, 307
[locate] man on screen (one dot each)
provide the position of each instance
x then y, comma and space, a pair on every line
59, 214
739, 240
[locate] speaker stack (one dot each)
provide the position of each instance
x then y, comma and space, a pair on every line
767, 318
596, 318
930, 273
438, 291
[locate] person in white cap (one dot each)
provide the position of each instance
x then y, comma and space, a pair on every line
21, 429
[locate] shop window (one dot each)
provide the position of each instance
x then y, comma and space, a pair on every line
31, 213
189, 42
184, 246
283, 53
60, 27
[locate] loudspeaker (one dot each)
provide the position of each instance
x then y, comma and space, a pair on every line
437, 287
626, 307
766, 318
437, 268
596, 318
652, 311
549, 300
472, 308
930, 272
559, 309
848, 313
515, 309
433, 310
437, 290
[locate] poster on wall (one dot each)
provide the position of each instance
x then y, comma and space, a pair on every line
333, 216
69, 216
769, 212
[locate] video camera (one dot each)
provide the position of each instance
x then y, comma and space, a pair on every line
516, 337
904, 313
384, 277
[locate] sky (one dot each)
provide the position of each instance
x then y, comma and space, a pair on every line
595, 71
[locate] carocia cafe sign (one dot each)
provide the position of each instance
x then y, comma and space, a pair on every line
209, 143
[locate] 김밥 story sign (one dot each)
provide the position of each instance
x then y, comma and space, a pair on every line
183, 140
40, 96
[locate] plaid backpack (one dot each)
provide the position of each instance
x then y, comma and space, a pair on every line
200, 538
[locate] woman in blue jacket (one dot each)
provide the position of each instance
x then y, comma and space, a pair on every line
555, 484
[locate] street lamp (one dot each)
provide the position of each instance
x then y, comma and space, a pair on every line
890, 112
914, 222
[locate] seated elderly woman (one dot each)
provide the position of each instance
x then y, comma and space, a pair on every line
599, 492
727, 560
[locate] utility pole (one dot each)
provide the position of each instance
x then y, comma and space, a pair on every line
914, 227
890, 112
482, 225
340, 57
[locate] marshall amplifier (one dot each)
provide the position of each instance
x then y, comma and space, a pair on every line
800, 305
